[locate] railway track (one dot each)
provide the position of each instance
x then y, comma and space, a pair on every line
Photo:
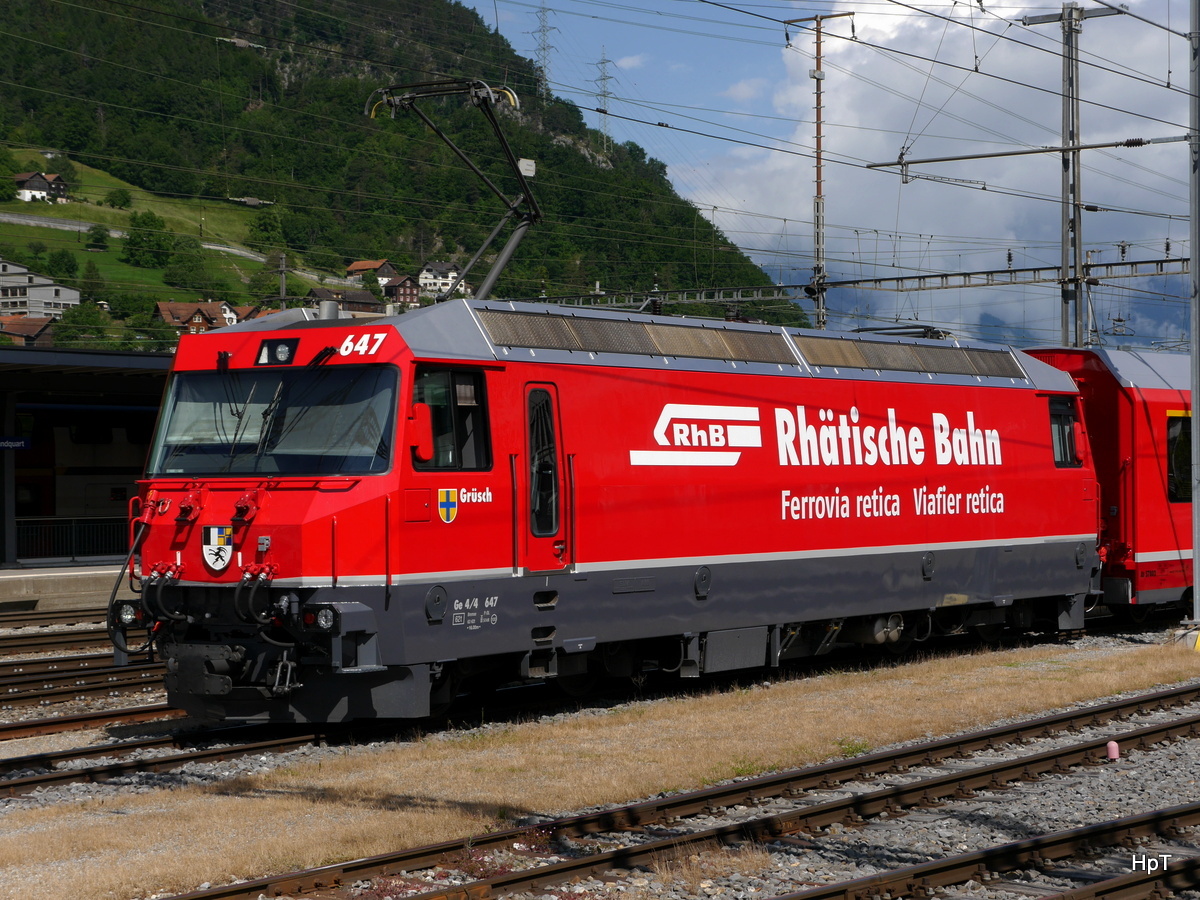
41, 689
87, 721
231, 743
53, 641
42, 618
1044, 853
11, 668
662, 832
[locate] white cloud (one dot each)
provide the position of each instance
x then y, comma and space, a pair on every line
879, 225
745, 90
628, 63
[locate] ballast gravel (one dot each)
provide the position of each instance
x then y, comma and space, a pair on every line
1139, 781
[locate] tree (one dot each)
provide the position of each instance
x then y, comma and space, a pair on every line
189, 268
147, 243
62, 264
144, 332
325, 258
87, 327
370, 282
91, 285
97, 237
129, 306
264, 283
36, 249
266, 230
8, 168
119, 198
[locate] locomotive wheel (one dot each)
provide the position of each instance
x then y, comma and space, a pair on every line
989, 634
577, 686
1133, 615
901, 647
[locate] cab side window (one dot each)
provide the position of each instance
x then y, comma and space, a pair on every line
1179, 459
456, 400
543, 465
1062, 432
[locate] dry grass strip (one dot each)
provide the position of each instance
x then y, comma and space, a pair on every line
366, 802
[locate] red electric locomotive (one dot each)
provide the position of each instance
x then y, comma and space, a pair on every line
346, 519
1138, 409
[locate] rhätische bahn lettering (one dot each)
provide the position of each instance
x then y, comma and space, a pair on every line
842, 438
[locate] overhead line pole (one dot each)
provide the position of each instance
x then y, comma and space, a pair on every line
1194, 239
817, 287
1071, 18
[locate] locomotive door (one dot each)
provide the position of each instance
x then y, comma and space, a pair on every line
546, 501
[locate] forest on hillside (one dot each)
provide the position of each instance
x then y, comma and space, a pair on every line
258, 98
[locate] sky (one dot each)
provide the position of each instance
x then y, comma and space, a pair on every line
723, 94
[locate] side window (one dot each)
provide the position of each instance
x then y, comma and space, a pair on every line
1179, 458
1062, 432
461, 439
543, 466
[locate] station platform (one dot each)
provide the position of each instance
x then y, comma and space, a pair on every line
66, 587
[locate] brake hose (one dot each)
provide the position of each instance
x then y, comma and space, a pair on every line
114, 634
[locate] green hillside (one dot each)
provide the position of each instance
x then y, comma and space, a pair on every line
186, 108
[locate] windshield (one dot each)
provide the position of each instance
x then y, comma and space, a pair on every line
331, 420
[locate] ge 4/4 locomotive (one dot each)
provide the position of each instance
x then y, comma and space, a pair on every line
346, 518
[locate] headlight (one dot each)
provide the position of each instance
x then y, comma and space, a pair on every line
325, 618
127, 614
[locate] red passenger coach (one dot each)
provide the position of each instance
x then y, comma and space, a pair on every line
344, 519
1138, 410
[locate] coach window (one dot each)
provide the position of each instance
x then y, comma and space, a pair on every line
543, 465
460, 429
1179, 458
1062, 432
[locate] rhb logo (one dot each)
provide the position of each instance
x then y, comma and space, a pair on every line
701, 435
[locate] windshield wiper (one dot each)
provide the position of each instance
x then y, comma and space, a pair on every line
268, 416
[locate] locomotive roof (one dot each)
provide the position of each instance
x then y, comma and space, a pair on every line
512, 331
1150, 370
493, 330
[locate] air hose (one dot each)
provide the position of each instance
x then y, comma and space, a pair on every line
114, 633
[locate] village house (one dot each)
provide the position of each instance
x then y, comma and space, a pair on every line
404, 291
199, 317
436, 278
381, 267
23, 293
27, 331
40, 186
